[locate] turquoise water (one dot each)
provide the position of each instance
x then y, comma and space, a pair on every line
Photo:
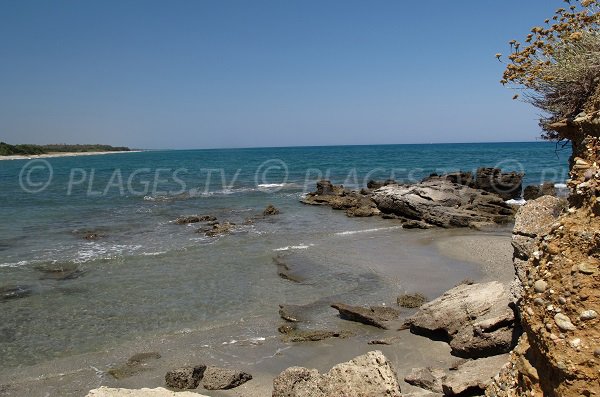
147, 275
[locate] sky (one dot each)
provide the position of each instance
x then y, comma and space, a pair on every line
227, 73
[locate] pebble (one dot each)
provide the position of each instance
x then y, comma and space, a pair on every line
539, 302
564, 323
549, 327
562, 300
597, 352
537, 255
586, 268
575, 343
540, 286
588, 315
574, 269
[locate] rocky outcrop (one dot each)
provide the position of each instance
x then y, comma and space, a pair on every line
184, 220
369, 375
270, 210
507, 185
443, 203
476, 320
354, 203
559, 351
473, 377
217, 229
158, 392
533, 192
185, 377
224, 379
377, 316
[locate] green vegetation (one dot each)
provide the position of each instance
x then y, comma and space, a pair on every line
558, 69
28, 150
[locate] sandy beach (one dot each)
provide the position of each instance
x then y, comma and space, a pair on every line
266, 358
66, 154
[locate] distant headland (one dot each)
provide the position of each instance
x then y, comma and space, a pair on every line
8, 151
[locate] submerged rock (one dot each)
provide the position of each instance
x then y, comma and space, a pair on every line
184, 220
10, 292
369, 375
60, 271
223, 379
217, 229
134, 365
377, 316
284, 271
294, 335
185, 377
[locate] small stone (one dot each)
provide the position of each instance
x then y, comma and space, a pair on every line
597, 352
562, 300
549, 327
537, 255
575, 343
529, 311
540, 286
588, 315
539, 302
564, 323
586, 268
550, 308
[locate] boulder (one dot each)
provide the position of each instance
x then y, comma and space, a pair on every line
185, 377
442, 203
377, 316
158, 392
369, 375
223, 379
532, 192
426, 378
476, 320
472, 377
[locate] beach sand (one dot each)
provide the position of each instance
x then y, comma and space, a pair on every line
65, 154
490, 254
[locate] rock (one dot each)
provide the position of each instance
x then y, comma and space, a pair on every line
426, 378
377, 316
270, 210
548, 189
158, 392
476, 320
184, 220
134, 365
291, 313
284, 271
442, 203
564, 323
223, 379
373, 185
218, 229
185, 377
411, 301
325, 188
587, 268
385, 341
314, 336
10, 292
60, 271
540, 286
588, 315
369, 375
506, 185
92, 236
473, 376
532, 192
354, 203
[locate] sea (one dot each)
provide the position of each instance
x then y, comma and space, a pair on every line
142, 275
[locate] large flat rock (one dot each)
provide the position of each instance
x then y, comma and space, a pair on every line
472, 377
158, 392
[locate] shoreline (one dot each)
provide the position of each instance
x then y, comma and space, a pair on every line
266, 359
62, 154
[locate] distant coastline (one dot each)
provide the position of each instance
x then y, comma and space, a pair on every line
61, 154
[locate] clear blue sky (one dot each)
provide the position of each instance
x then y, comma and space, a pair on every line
225, 73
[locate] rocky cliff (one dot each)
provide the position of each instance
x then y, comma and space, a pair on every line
557, 259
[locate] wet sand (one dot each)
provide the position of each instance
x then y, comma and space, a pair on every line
488, 254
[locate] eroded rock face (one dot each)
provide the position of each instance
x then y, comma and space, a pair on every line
473, 377
507, 185
369, 375
185, 377
223, 379
476, 320
442, 203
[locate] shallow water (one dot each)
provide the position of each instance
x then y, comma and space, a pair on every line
146, 277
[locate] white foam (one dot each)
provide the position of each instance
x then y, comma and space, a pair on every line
516, 202
294, 247
560, 185
271, 185
350, 232
14, 264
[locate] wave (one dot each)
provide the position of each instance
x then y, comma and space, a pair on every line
14, 264
560, 185
516, 202
294, 247
350, 232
